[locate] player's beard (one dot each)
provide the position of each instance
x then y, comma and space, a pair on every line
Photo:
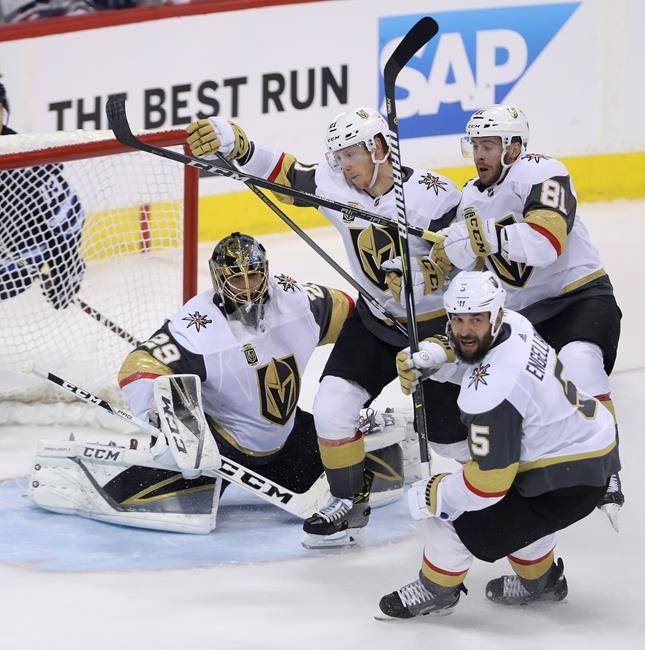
473, 356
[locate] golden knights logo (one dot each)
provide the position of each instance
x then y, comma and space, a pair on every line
373, 246
478, 376
361, 113
279, 386
250, 354
198, 320
536, 157
516, 274
433, 182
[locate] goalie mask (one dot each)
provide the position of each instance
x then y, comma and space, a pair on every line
240, 273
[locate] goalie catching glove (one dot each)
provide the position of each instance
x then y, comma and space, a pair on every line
427, 276
433, 352
206, 137
178, 399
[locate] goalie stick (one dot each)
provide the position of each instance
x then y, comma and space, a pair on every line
299, 504
118, 121
420, 34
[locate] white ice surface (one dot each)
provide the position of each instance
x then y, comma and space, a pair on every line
327, 600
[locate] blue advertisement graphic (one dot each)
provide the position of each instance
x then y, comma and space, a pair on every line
475, 60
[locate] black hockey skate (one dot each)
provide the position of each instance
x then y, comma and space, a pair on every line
340, 521
415, 599
612, 500
513, 590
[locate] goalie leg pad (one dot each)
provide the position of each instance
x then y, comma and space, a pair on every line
130, 495
178, 399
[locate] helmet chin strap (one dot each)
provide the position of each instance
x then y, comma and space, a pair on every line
377, 164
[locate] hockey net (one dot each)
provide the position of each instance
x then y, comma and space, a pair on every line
98, 245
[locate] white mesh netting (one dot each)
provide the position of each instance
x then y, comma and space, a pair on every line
100, 235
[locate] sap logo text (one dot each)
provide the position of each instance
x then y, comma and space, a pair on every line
475, 60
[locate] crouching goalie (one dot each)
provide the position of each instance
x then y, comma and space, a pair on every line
221, 378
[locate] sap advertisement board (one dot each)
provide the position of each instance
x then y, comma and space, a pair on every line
284, 72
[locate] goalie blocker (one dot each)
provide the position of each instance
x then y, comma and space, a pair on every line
127, 485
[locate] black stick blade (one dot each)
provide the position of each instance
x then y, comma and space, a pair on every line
420, 33
118, 120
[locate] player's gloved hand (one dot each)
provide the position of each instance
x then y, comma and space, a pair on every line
439, 257
61, 276
467, 241
206, 137
424, 498
427, 276
433, 352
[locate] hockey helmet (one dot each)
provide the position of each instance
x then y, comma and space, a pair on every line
504, 122
476, 292
240, 273
360, 126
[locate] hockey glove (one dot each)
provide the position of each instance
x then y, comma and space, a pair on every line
424, 498
206, 137
61, 277
472, 239
433, 352
427, 277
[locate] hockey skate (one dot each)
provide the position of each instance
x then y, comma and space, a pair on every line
513, 590
339, 522
612, 501
415, 599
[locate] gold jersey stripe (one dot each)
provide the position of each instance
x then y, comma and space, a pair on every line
552, 222
441, 576
342, 307
279, 176
555, 460
234, 443
533, 569
586, 279
342, 456
489, 482
141, 362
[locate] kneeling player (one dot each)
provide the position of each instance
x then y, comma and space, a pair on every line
541, 456
248, 340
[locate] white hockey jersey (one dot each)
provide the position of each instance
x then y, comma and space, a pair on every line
430, 201
537, 191
529, 426
250, 378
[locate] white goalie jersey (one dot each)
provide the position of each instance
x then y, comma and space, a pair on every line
549, 252
250, 378
529, 426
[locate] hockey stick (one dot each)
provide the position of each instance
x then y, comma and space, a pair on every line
118, 121
301, 505
420, 34
76, 300
367, 296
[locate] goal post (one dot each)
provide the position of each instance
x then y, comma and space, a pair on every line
98, 244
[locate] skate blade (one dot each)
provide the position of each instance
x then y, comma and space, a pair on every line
349, 537
380, 616
612, 510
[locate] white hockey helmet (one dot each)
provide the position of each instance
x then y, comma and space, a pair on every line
360, 125
476, 292
504, 122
